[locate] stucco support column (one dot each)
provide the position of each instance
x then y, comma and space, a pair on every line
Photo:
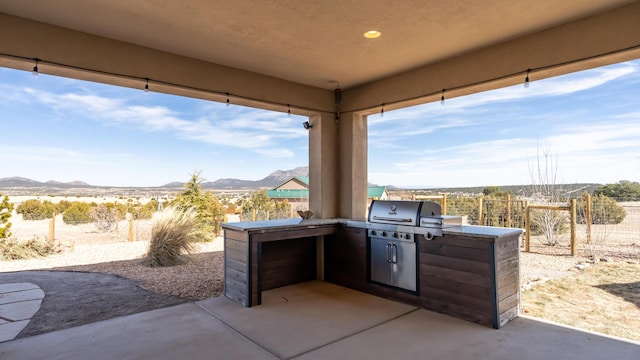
352, 136
323, 166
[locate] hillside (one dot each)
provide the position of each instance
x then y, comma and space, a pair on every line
514, 189
270, 181
20, 182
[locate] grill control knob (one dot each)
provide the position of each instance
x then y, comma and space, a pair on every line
395, 235
373, 232
407, 236
384, 233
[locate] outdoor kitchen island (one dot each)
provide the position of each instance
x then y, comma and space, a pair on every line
470, 272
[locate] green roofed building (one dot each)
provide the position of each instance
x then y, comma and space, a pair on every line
296, 191
377, 193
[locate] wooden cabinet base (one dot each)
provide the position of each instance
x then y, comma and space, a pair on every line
473, 278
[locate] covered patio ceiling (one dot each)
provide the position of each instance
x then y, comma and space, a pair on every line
320, 44
315, 43
292, 55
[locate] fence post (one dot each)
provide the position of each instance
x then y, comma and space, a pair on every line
573, 228
291, 215
52, 227
131, 228
527, 223
588, 216
253, 214
508, 220
480, 219
444, 204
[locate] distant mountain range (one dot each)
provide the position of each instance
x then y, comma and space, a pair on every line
272, 180
26, 183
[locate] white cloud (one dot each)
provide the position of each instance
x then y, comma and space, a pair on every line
549, 87
259, 131
276, 152
38, 154
597, 152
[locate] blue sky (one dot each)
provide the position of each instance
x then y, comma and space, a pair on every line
63, 129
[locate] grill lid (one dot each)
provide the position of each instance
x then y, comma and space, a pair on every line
430, 208
395, 212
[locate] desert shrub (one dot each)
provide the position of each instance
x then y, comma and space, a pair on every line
142, 211
549, 223
62, 206
36, 210
77, 213
172, 235
120, 210
463, 206
604, 210
281, 210
260, 203
5, 215
103, 217
11, 249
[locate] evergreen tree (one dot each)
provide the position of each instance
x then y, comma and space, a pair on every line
206, 205
623, 190
6, 208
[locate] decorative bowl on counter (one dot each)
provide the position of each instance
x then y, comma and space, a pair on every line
305, 214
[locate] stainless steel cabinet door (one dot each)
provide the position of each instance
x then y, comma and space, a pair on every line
380, 266
404, 268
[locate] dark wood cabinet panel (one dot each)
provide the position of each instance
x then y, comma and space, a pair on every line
345, 258
471, 278
287, 262
236, 272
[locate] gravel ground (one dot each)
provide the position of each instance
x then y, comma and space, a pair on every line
536, 268
198, 279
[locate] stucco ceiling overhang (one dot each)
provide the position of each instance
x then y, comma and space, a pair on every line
320, 43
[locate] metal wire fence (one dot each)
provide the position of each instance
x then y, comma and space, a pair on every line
611, 238
80, 234
614, 230
260, 215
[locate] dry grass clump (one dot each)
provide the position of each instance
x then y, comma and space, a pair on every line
172, 236
12, 249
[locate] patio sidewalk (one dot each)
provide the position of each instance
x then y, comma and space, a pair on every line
313, 320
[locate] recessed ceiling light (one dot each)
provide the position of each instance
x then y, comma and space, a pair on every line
372, 34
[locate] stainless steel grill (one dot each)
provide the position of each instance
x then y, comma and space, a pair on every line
392, 229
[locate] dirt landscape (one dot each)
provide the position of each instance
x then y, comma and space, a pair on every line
604, 298
84, 248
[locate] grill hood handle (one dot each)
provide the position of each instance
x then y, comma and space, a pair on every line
383, 218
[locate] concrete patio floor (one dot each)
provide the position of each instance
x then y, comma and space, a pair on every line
313, 320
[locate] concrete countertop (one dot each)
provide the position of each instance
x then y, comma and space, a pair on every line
283, 224
290, 224
483, 231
